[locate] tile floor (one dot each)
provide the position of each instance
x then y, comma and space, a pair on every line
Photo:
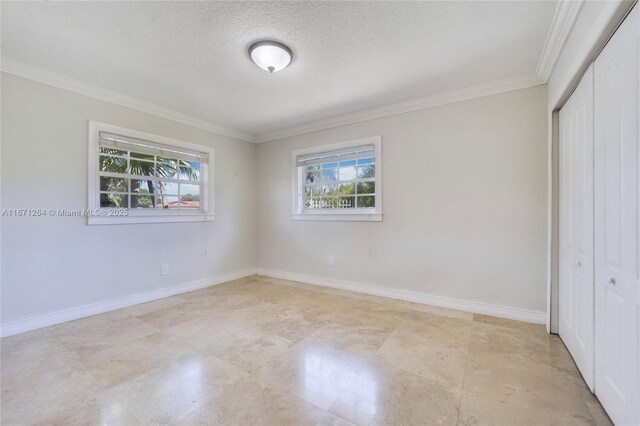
267, 351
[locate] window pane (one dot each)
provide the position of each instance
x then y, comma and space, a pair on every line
347, 173
143, 186
347, 189
313, 176
369, 160
329, 190
190, 190
113, 164
348, 163
114, 184
189, 202
167, 202
189, 171
367, 172
112, 151
167, 160
309, 203
114, 200
166, 169
367, 201
167, 188
328, 203
315, 190
330, 175
346, 202
143, 201
141, 168
366, 188
330, 165
138, 155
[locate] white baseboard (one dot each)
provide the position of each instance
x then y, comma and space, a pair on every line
519, 314
53, 318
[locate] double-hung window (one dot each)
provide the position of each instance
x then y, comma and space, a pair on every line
339, 181
137, 177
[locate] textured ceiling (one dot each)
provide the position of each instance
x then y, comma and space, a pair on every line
348, 56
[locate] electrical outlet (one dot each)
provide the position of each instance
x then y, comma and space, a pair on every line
331, 261
165, 269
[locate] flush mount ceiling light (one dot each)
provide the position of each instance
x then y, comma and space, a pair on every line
270, 55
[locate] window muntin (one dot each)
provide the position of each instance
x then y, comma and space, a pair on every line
339, 181
140, 174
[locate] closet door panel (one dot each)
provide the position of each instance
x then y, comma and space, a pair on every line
576, 226
616, 223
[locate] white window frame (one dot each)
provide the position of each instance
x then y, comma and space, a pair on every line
373, 214
99, 216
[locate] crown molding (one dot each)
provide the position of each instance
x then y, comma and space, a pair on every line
20, 69
40, 75
563, 21
468, 93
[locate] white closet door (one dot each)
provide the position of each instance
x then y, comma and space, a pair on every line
576, 227
616, 223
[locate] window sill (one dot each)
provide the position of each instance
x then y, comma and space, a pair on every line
161, 218
342, 217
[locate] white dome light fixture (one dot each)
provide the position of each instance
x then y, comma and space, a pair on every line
270, 55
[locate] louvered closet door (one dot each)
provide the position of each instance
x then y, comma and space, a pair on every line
576, 227
617, 264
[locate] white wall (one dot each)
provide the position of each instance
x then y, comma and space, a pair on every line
465, 205
51, 264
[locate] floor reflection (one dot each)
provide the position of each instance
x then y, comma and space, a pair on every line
328, 371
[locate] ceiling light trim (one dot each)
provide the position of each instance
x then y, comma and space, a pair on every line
563, 20
40, 75
270, 43
473, 92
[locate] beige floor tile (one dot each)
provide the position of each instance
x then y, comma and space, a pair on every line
509, 346
82, 407
249, 403
222, 297
173, 315
121, 363
362, 339
289, 322
32, 353
60, 395
442, 360
553, 393
167, 394
314, 373
482, 409
249, 349
205, 332
439, 327
267, 351
94, 334
387, 395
